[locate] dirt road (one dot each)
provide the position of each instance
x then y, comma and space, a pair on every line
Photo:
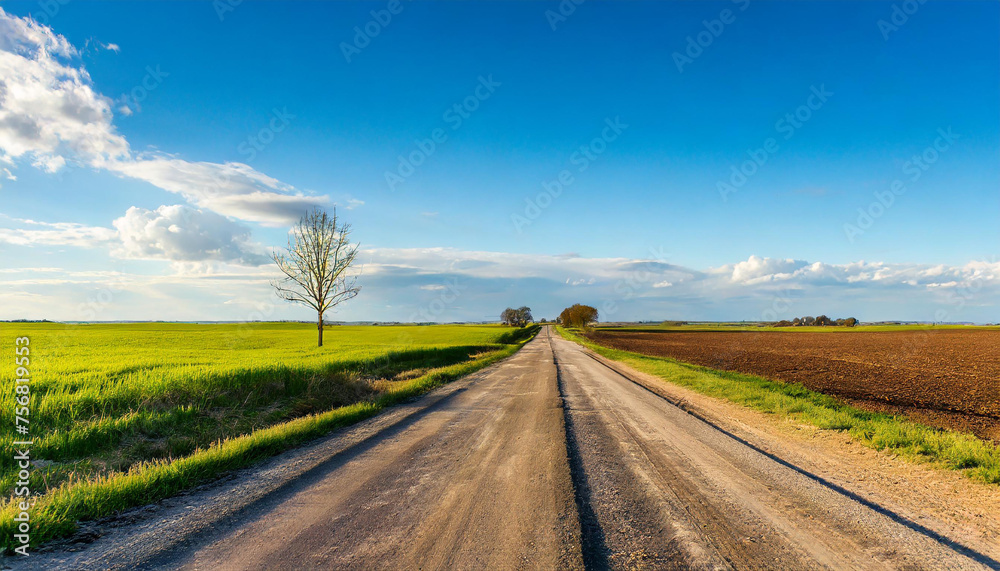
549, 460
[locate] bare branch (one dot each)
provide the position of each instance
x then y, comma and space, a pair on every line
315, 263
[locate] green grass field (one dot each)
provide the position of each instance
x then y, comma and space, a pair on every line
979, 459
123, 415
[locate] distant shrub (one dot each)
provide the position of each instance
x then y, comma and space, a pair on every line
821, 321
578, 315
516, 317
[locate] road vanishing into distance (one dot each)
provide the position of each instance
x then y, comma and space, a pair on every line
551, 459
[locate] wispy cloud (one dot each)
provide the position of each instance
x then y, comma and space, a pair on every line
753, 273
57, 234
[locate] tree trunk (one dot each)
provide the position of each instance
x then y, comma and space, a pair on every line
319, 326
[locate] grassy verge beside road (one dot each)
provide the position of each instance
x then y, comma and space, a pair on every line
977, 458
104, 426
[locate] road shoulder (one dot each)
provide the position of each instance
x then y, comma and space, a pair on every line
941, 500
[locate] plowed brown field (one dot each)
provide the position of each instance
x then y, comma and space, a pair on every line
947, 378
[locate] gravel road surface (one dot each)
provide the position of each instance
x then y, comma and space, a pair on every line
552, 459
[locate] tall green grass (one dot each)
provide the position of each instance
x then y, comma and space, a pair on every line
977, 458
134, 413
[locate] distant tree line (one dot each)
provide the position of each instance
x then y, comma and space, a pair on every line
516, 317
578, 315
820, 321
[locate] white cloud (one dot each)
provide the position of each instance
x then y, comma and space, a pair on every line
178, 233
47, 107
622, 289
232, 189
58, 234
110, 295
29, 270
489, 264
51, 115
764, 269
640, 277
49, 164
184, 234
113, 48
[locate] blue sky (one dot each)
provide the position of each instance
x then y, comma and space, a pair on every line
649, 223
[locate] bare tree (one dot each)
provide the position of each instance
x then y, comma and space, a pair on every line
318, 255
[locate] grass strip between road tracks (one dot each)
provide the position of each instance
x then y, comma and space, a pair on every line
977, 458
56, 513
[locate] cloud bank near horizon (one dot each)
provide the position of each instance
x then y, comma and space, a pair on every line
447, 284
